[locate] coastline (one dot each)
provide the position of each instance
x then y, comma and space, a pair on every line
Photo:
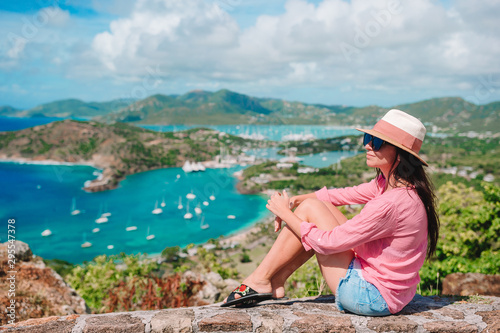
21, 160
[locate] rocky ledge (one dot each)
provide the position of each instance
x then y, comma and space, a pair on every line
319, 314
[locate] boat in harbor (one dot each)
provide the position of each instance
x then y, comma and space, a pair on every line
180, 206
101, 219
130, 227
197, 209
74, 211
149, 236
187, 167
46, 233
157, 210
202, 223
85, 243
188, 215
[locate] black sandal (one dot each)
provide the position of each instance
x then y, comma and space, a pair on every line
248, 296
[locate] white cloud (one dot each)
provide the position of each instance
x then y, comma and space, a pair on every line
385, 40
394, 48
180, 35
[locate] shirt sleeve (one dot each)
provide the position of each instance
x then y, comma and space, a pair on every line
376, 220
360, 194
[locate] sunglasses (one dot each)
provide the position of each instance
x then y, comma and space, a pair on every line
376, 142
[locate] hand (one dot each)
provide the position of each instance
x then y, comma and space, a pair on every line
295, 201
280, 206
277, 223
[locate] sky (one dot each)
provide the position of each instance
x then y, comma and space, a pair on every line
334, 52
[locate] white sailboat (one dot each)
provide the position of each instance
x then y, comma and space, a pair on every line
106, 213
191, 196
180, 206
157, 210
110, 247
205, 203
231, 217
46, 233
130, 227
202, 225
163, 204
102, 218
197, 209
149, 236
96, 230
212, 197
74, 211
85, 243
187, 167
188, 215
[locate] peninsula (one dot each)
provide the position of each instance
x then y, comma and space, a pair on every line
118, 149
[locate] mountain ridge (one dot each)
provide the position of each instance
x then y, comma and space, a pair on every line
201, 107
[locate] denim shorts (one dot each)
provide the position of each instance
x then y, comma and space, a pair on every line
356, 295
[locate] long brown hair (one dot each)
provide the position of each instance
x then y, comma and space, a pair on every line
410, 170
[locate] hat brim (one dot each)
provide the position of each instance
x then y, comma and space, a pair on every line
392, 142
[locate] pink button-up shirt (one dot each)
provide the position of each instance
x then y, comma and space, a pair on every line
389, 237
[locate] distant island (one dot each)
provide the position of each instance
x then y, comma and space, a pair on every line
444, 115
118, 149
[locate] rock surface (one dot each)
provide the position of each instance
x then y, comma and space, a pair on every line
466, 284
423, 314
39, 290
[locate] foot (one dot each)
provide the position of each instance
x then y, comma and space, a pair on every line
262, 286
278, 291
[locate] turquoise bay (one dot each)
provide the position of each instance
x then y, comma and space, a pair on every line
40, 197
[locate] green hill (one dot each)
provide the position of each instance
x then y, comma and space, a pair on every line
8, 111
74, 108
447, 114
195, 107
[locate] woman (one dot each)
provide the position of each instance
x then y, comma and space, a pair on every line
371, 261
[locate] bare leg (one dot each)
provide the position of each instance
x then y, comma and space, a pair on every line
279, 279
287, 253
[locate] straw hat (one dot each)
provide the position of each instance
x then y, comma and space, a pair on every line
401, 130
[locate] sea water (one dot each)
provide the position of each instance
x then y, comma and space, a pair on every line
41, 197
267, 132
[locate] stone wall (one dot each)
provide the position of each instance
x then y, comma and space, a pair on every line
423, 314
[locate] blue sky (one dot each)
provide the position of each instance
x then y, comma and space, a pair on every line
383, 52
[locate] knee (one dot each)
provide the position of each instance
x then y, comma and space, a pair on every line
306, 206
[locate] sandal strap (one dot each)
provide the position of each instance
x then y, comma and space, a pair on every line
242, 290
